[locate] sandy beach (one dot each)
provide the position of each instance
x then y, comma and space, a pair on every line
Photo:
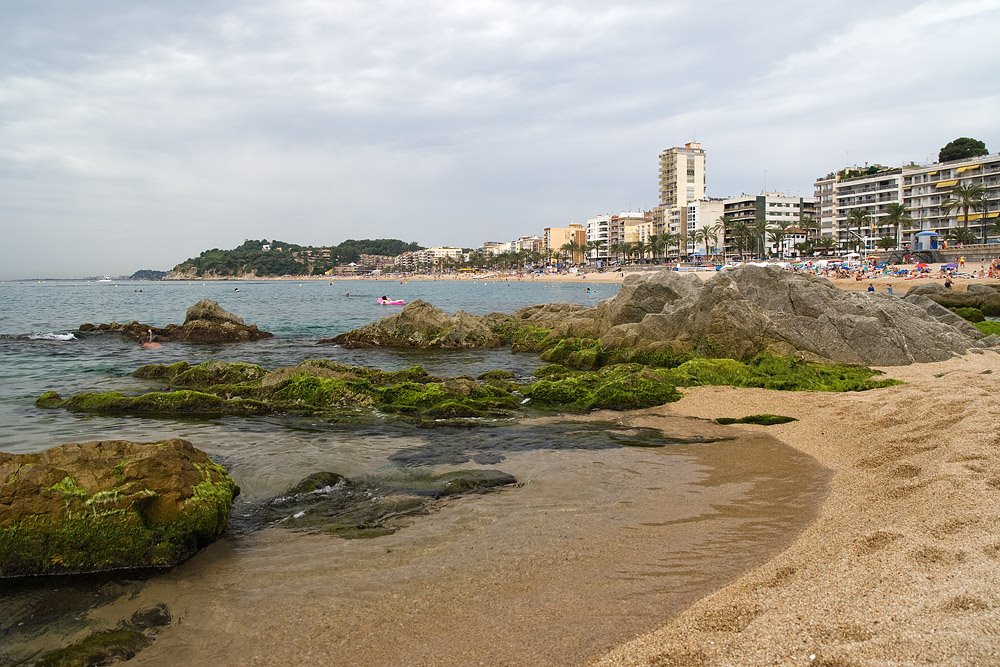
901, 565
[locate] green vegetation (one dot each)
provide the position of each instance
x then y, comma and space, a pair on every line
100, 648
116, 528
762, 419
971, 314
989, 327
281, 258
583, 376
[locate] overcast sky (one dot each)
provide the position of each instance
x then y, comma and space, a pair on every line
137, 134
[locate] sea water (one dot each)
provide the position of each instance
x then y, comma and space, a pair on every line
599, 541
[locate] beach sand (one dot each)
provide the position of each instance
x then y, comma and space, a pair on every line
902, 564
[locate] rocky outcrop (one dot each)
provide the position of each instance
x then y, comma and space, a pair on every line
749, 310
111, 504
204, 322
986, 298
737, 313
421, 325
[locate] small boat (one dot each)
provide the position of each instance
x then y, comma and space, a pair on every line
390, 302
105, 279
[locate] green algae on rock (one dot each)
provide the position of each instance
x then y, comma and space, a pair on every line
764, 419
112, 504
106, 646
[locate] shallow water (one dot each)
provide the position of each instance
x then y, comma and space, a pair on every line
598, 542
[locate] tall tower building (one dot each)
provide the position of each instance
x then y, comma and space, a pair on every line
682, 175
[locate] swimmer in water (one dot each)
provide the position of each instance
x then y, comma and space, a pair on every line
150, 344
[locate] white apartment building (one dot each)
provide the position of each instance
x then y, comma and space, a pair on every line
925, 189
922, 190
698, 214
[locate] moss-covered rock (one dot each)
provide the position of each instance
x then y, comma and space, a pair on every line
109, 505
617, 387
112, 645
989, 327
761, 419
971, 314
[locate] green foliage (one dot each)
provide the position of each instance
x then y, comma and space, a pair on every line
989, 327
762, 419
617, 387
288, 258
961, 149
970, 314
774, 372
100, 648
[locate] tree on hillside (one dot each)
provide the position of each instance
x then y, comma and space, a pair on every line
961, 149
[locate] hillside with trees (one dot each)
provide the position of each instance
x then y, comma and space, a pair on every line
279, 258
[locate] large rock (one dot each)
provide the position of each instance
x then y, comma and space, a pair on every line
421, 325
749, 310
204, 322
984, 297
111, 504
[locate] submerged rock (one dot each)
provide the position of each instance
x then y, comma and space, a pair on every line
331, 503
111, 504
204, 322
421, 325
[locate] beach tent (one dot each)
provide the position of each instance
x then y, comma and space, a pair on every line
925, 241
949, 266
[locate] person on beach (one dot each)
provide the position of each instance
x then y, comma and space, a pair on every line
871, 288
947, 282
888, 290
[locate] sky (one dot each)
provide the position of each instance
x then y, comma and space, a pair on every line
134, 135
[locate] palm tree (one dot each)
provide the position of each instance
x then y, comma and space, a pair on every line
827, 243
759, 232
961, 235
706, 235
640, 248
861, 218
776, 234
671, 240
594, 249
741, 235
809, 225
966, 197
721, 226
896, 215
627, 249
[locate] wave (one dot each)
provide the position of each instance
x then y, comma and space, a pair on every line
50, 336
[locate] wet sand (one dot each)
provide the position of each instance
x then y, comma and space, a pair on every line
902, 564
593, 548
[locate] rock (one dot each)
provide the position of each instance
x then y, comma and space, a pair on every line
985, 298
421, 325
204, 322
111, 504
332, 503
749, 310
210, 311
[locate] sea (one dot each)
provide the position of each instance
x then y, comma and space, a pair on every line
609, 531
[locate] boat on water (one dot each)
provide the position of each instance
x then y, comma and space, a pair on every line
383, 301
105, 279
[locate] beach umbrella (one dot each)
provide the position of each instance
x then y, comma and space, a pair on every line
950, 265
921, 265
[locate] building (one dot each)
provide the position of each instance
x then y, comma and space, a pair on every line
554, 238
926, 189
698, 214
681, 181
599, 233
492, 248
922, 190
682, 175
776, 210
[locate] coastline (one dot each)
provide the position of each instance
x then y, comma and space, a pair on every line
900, 284
899, 566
